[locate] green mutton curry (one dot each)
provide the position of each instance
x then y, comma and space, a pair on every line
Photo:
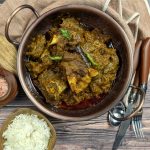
71, 63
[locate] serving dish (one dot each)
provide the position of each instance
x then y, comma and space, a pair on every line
17, 112
12, 88
91, 16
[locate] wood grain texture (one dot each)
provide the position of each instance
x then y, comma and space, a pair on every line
95, 134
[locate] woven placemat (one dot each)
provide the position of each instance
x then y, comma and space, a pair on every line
133, 16
121, 16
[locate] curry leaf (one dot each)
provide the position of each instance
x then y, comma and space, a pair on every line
65, 33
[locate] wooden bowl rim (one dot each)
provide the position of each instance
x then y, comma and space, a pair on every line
19, 111
12, 87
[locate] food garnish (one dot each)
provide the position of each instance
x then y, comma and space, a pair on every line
91, 59
65, 33
55, 57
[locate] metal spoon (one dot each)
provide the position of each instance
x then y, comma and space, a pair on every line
118, 111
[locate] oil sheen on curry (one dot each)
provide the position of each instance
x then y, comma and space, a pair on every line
72, 64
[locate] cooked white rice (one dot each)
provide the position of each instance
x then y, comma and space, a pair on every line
27, 132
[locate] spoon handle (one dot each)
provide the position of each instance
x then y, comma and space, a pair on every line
136, 63
136, 78
136, 55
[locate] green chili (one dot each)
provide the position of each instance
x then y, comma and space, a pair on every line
90, 59
56, 58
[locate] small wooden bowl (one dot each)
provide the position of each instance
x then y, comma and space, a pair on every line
17, 112
12, 87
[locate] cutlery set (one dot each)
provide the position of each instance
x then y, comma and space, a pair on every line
137, 119
136, 96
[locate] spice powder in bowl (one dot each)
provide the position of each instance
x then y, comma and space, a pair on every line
3, 87
8, 87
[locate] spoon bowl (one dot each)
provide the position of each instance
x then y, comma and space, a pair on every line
118, 111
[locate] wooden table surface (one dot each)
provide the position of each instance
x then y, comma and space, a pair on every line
95, 134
